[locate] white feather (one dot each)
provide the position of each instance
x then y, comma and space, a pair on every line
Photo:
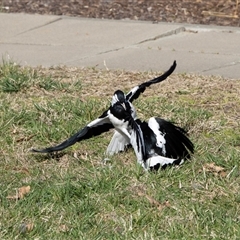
161, 141
151, 162
117, 143
114, 99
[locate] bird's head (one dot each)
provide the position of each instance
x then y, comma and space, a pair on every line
119, 97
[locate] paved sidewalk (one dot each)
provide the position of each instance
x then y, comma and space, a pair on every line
119, 44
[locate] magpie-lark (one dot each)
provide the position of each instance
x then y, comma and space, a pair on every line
120, 115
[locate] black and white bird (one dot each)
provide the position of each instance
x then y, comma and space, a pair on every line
165, 144
121, 115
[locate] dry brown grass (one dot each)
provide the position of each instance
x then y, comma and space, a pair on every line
75, 193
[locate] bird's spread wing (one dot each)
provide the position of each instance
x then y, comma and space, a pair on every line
94, 128
136, 91
178, 145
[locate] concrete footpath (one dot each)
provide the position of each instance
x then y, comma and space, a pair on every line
119, 44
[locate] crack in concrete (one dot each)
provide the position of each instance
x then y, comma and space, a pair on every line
37, 27
166, 34
28, 44
222, 66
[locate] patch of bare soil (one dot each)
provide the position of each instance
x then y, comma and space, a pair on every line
214, 12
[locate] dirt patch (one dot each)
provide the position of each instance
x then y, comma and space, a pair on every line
214, 12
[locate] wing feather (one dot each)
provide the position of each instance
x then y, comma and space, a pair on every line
94, 128
117, 144
177, 142
136, 91
137, 142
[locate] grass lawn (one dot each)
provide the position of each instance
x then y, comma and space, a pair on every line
76, 195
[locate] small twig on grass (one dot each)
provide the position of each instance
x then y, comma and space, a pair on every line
231, 171
25, 138
154, 202
105, 65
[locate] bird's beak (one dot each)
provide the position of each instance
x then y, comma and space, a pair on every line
124, 105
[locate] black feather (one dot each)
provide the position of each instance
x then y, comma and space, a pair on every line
87, 132
178, 144
141, 88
